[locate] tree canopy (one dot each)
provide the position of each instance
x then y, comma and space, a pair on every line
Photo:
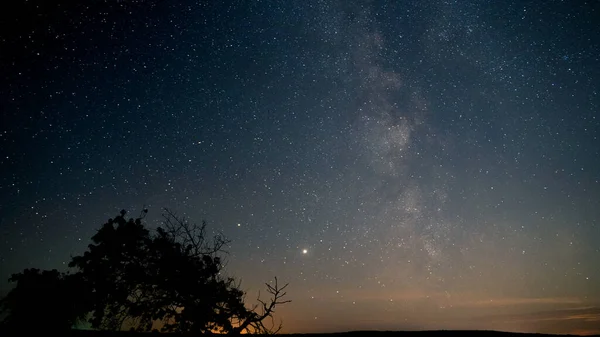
44, 299
133, 278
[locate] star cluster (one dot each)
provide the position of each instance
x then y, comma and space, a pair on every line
403, 165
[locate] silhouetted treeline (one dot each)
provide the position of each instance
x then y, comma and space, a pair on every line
131, 278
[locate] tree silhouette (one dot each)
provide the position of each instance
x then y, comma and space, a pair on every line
169, 278
130, 277
43, 300
114, 268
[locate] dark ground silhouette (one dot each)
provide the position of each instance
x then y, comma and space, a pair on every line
439, 333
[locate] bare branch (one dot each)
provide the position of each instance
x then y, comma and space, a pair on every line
255, 320
192, 237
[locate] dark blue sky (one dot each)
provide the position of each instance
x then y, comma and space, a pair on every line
403, 165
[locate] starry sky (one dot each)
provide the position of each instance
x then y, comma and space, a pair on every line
404, 165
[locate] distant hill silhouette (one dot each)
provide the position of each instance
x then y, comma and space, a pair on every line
485, 333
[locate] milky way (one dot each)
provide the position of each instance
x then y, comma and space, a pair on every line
403, 165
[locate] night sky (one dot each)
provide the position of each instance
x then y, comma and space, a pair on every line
402, 164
